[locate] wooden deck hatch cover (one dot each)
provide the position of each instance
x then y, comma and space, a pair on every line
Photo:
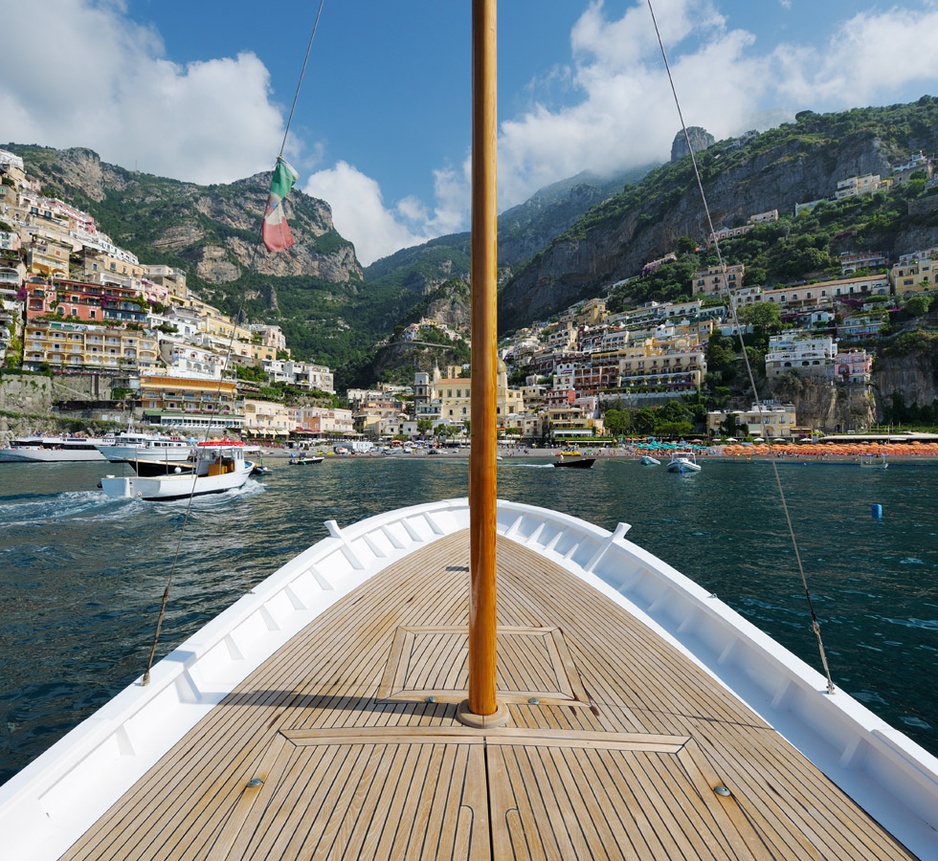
431, 664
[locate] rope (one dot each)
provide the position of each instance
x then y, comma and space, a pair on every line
815, 625
251, 268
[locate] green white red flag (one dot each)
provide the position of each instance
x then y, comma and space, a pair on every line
275, 231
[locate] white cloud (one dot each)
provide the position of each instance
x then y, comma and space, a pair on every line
97, 80
869, 57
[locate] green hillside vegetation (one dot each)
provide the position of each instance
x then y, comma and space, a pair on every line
793, 249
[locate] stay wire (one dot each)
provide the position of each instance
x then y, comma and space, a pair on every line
251, 268
815, 625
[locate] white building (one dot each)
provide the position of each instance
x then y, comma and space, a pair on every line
805, 355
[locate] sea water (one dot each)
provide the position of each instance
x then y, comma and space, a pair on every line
82, 575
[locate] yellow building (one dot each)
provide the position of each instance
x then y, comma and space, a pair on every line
267, 419
448, 398
191, 404
914, 275
662, 365
87, 347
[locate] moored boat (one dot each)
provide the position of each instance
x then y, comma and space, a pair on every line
683, 462
129, 446
53, 449
648, 460
219, 466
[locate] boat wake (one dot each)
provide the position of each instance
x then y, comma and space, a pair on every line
59, 506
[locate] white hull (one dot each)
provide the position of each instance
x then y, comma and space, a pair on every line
171, 453
683, 464
48, 455
56, 798
167, 487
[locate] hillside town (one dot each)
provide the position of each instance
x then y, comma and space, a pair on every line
72, 303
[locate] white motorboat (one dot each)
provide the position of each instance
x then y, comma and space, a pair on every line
648, 460
683, 462
53, 449
219, 466
129, 446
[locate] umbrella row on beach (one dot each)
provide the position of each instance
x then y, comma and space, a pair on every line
905, 449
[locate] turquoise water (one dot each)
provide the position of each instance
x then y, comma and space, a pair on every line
81, 576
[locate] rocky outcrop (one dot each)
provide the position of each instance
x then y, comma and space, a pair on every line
700, 139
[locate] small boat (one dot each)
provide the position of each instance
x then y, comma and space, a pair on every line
306, 460
875, 462
683, 462
260, 469
219, 466
575, 462
648, 460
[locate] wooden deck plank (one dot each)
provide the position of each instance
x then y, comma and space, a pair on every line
610, 774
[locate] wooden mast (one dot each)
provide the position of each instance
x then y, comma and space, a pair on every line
482, 461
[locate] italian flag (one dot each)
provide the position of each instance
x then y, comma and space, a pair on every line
275, 231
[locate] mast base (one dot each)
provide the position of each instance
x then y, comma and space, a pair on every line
498, 718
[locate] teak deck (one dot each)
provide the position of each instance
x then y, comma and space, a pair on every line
345, 743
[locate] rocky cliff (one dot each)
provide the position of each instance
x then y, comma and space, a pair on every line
795, 163
210, 231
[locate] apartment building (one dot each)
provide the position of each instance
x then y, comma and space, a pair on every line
267, 419
768, 420
717, 281
191, 404
915, 273
853, 366
656, 365
84, 301
820, 292
318, 421
74, 346
803, 354
301, 374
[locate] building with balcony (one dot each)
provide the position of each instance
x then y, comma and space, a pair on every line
717, 280
267, 420
802, 354
191, 405
662, 366
853, 366
80, 347
768, 420
303, 375
915, 273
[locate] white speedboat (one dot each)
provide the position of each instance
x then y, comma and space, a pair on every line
683, 462
52, 449
219, 466
648, 460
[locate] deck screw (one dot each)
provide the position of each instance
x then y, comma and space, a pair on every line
722, 790
533, 700
254, 782
429, 699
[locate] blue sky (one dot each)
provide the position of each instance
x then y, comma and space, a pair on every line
200, 89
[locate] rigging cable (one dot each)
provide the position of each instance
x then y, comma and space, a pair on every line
251, 267
815, 625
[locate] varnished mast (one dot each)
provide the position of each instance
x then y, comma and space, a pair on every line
483, 464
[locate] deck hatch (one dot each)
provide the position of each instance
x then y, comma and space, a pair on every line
534, 665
